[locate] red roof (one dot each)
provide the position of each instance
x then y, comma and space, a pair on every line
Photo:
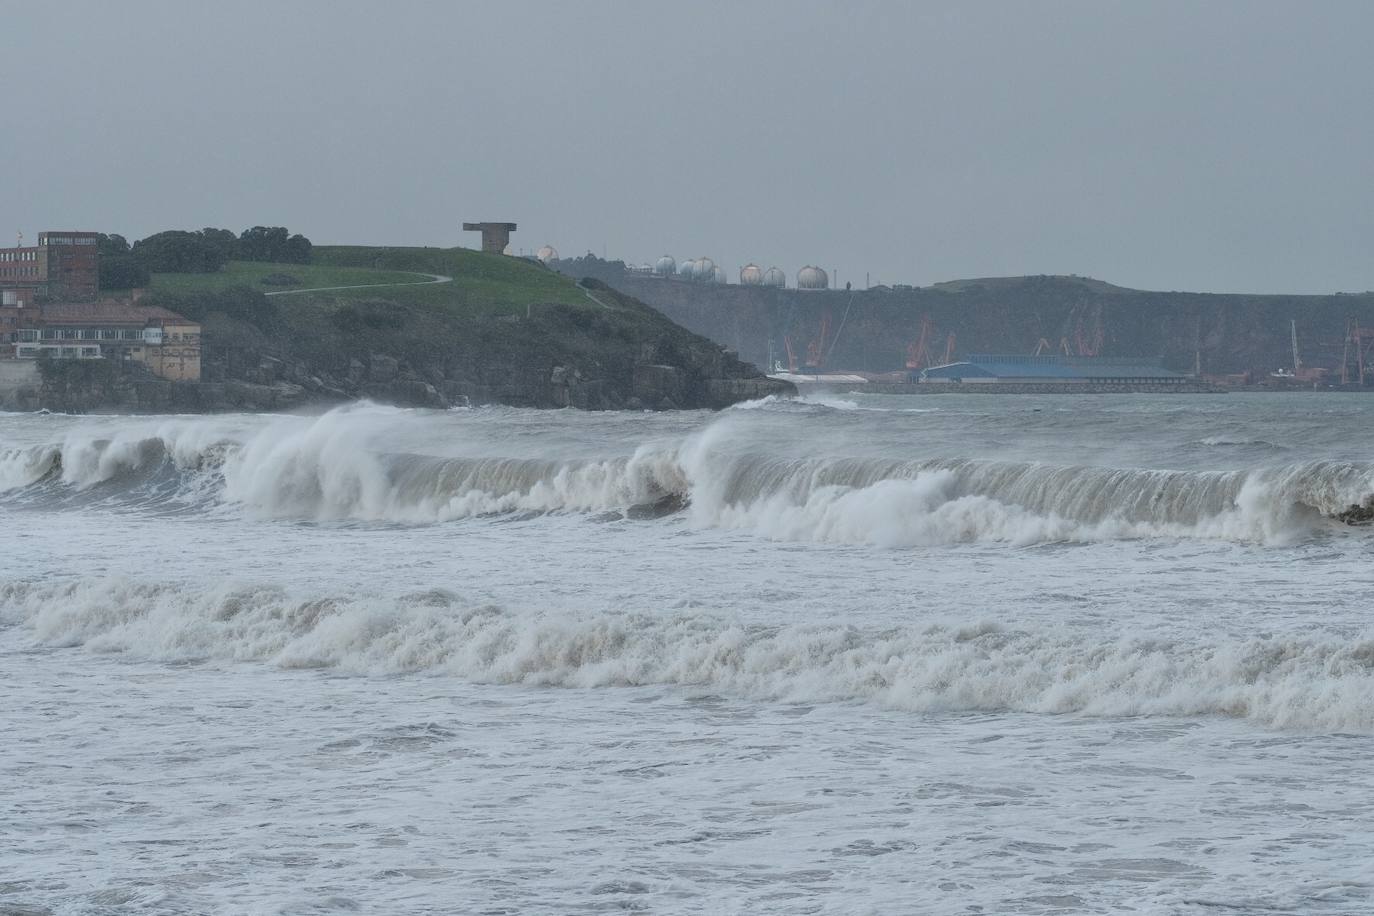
108, 311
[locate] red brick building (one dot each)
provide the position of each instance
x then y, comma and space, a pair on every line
63, 266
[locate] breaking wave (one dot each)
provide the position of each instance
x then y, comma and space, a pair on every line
1298, 682
332, 468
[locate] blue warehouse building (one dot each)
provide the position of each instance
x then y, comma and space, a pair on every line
1086, 370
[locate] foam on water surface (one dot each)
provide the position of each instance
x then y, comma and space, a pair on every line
827, 655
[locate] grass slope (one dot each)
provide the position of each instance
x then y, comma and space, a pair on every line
251, 273
483, 284
504, 329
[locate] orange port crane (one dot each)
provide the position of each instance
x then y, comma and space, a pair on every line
815, 351
1355, 337
1084, 335
918, 355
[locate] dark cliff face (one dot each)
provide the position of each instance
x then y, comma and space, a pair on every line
610, 353
872, 330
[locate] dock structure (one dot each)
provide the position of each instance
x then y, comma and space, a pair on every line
982, 368
495, 236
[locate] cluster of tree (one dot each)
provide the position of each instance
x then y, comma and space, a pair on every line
124, 266
119, 269
179, 252
272, 244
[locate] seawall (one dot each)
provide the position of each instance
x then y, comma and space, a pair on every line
935, 388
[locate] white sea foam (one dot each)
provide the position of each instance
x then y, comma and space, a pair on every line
337, 467
834, 402
23, 467
1316, 683
707, 710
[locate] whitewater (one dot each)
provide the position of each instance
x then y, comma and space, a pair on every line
843, 653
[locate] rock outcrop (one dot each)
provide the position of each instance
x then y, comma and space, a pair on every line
613, 353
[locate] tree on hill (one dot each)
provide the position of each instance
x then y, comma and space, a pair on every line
123, 271
274, 244
224, 240
176, 251
113, 245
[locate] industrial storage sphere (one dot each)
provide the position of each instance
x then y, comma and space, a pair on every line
812, 278
750, 275
776, 278
688, 270
666, 266
705, 270
548, 254
718, 276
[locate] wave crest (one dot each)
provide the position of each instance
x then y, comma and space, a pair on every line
1307, 682
331, 468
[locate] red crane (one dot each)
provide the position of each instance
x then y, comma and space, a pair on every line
1355, 337
1087, 332
1084, 333
918, 354
815, 351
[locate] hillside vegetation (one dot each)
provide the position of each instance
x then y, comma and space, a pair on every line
251, 274
486, 284
504, 330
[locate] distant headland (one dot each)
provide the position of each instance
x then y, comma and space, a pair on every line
213, 320
891, 334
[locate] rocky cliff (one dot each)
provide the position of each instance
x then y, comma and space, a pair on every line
872, 330
597, 350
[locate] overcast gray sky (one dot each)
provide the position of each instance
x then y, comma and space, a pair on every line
1220, 146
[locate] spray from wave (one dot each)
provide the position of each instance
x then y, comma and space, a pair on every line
1310, 683
334, 468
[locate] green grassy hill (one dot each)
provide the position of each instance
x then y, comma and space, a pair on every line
503, 330
489, 284
251, 274
482, 284
984, 284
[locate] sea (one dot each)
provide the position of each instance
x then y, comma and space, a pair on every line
843, 653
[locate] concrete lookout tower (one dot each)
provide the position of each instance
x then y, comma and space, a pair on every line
495, 236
